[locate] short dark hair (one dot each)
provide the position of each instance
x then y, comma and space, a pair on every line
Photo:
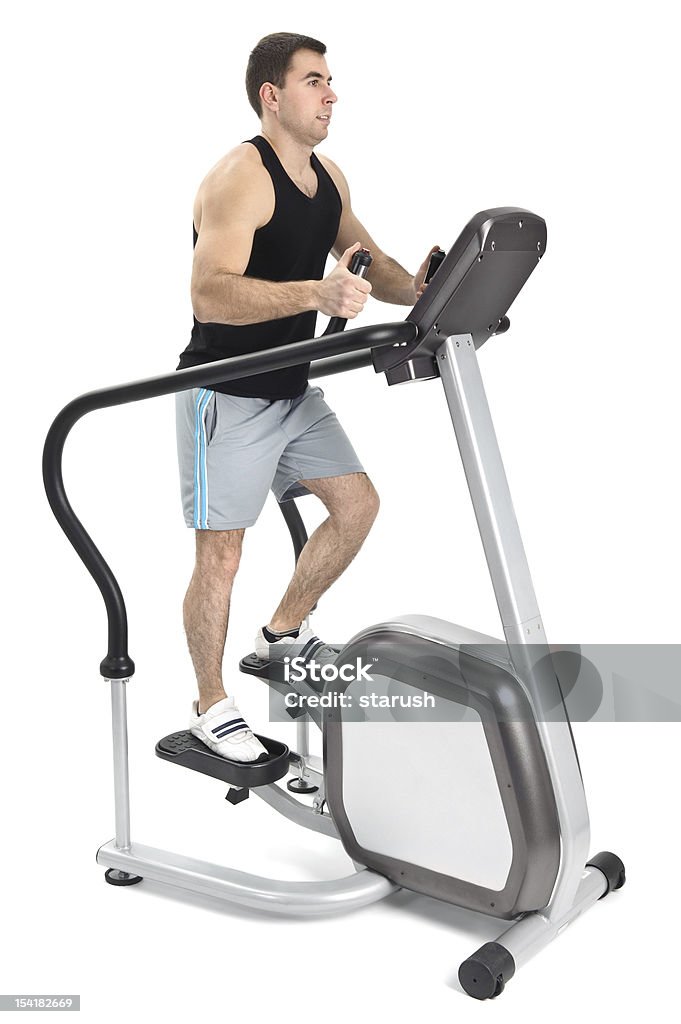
271, 59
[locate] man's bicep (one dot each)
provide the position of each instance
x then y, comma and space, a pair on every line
232, 209
223, 248
219, 250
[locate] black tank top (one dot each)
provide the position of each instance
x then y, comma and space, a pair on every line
292, 246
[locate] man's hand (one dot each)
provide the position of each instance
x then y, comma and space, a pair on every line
419, 276
342, 293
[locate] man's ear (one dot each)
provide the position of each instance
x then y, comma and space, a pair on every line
268, 96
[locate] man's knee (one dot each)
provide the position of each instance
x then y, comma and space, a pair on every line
360, 502
219, 551
372, 502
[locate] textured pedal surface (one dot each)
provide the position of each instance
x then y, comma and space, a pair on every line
187, 750
178, 742
256, 666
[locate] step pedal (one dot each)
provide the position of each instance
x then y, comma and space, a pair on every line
185, 749
273, 672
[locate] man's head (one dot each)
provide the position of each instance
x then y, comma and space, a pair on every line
287, 78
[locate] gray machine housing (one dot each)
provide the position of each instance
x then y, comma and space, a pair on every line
471, 677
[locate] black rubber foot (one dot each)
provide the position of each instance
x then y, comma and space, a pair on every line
484, 975
613, 869
237, 796
116, 877
300, 786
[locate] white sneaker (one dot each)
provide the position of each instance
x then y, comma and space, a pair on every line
224, 731
306, 645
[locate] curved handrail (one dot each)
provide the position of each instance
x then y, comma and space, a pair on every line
118, 664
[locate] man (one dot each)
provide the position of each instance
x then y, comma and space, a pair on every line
265, 218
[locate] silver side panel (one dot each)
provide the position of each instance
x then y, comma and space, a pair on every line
457, 804
439, 788
424, 775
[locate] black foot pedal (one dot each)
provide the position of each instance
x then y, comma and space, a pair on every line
187, 750
273, 672
270, 671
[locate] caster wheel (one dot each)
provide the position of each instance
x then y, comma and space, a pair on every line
484, 975
300, 786
613, 869
115, 877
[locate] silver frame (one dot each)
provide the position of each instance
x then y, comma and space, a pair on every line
577, 887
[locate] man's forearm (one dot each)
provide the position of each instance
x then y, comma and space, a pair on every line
390, 282
237, 300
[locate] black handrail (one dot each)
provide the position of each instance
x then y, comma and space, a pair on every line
118, 664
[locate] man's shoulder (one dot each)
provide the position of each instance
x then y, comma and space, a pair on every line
242, 164
237, 182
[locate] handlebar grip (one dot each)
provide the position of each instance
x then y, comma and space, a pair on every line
359, 265
435, 261
361, 262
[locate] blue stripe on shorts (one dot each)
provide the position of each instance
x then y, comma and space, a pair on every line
200, 477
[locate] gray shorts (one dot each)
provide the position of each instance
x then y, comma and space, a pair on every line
232, 450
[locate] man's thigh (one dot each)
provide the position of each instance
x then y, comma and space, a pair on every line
317, 449
228, 451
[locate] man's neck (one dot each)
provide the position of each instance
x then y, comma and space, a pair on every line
294, 156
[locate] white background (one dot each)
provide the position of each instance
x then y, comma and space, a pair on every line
113, 114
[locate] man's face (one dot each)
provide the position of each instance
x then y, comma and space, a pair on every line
305, 103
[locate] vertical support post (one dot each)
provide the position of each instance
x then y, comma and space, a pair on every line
457, 363
119, 719
460, 374
303, 737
